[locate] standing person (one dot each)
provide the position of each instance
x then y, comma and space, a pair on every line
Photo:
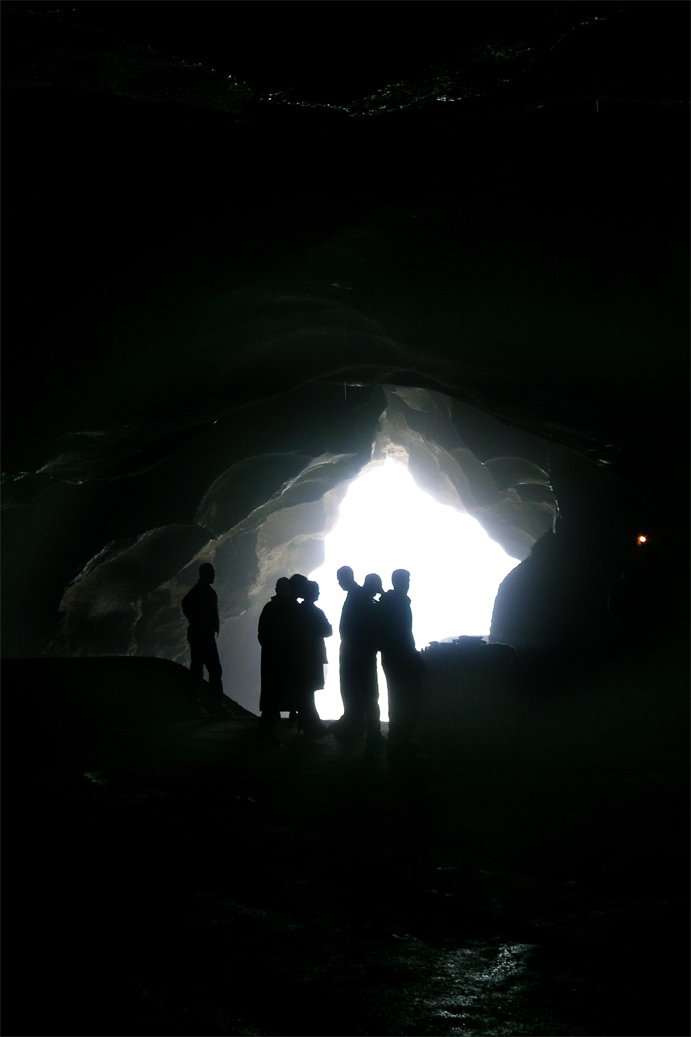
401, 662
349, 656
298, 583
314, 628
200, 607
357, 662
276, 635
370, 641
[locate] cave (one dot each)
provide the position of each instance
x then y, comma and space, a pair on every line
252, 250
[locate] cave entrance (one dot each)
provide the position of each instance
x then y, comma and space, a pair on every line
387, 522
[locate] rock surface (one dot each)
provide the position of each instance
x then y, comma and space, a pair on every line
240, 244
236, 265
527, 874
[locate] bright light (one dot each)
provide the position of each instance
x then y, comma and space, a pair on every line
641, 539
386, 522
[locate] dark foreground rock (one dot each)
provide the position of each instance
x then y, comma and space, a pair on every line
167, 873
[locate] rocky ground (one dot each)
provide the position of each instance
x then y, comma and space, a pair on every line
171, 874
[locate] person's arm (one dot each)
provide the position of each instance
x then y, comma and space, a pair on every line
326, 630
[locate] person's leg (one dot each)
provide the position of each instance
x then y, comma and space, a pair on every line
348, 728
271, 690
310, 721
213, 666
395, 693
371, 711
362, 707
196, 660
345, 673
349, 687
405, 699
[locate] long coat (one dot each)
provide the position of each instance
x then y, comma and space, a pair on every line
278, 635
315, 627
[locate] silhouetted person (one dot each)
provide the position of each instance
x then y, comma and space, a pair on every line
276, 635
357, 663
200, 606
347, 660
298, 583
314, 627
401, 662
370, 640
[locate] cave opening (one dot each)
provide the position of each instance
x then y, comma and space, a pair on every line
385, 521
435, 486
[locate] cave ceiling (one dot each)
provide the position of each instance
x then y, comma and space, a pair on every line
232, 232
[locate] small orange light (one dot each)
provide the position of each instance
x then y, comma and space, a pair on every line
641, 539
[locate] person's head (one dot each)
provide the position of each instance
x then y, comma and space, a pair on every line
283, 587
298, 584
206, 573
345, 577
373, 585
311, 591
400, 580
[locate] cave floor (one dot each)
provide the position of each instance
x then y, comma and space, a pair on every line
202, 882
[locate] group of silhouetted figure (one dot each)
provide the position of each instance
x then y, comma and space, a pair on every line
292, 632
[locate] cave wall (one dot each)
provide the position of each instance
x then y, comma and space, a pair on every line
266, 516
214, 281
258, 518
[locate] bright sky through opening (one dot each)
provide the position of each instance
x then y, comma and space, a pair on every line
386, 522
